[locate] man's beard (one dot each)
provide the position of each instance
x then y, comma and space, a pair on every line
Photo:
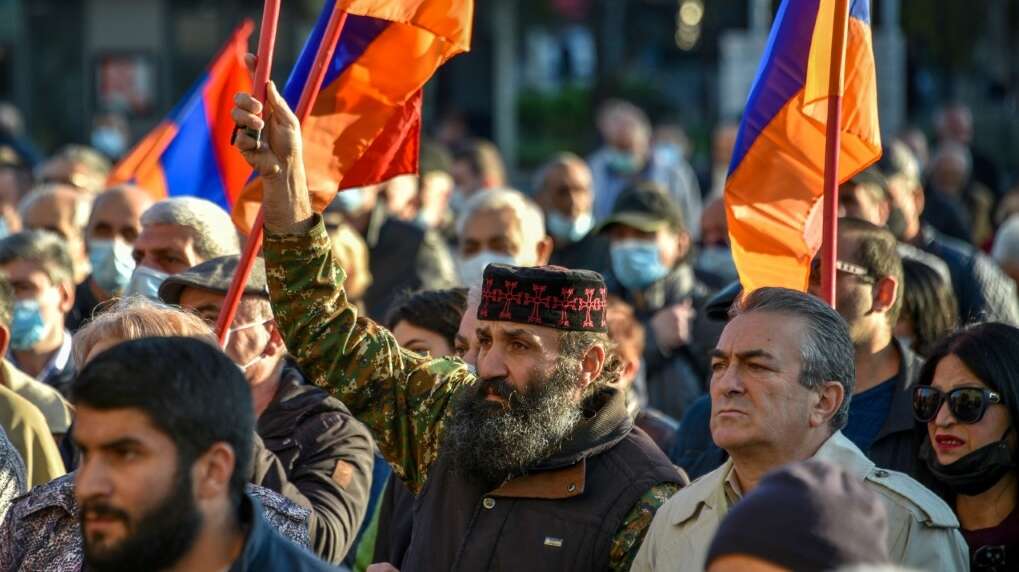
488, 441
897, 223
156, 540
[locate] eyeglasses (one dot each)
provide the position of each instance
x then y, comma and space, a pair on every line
841, 266
967, 404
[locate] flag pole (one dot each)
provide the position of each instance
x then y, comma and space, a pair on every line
830, 230
323, 57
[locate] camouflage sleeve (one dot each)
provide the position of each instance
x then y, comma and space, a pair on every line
401, 396
630, 536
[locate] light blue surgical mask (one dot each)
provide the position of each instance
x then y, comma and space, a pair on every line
145, 282
27, 326
112, 264
350, 201
4, 231
621, 162
110, 141
718, 260
567, 229
637, 264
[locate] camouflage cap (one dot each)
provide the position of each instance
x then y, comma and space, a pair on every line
214, 275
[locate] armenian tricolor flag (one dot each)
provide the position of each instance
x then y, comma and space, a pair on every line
365, 125
189, 152
773, 193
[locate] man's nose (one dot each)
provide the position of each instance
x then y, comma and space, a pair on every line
92, 480
491, 363
727, 382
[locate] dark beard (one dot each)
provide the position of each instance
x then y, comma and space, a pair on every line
489, 441
157, 540
897, 223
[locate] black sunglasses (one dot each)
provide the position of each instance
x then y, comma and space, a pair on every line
967, 404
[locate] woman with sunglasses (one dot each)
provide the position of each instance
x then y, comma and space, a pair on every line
968, 397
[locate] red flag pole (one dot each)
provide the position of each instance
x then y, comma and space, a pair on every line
833, 143
304, 106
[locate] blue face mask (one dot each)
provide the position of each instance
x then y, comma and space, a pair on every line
350, 201
621, 162
145, 282
112, 264
637, 264
566, 229
27, 327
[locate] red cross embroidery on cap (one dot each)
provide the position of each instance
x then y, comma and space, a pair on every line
537, 301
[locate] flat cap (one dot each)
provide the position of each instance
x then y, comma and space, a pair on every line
214, 275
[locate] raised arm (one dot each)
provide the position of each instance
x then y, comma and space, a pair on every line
401, 396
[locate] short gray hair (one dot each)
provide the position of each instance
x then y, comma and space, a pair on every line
43, 248
1006, 242
827, 350
82, 202
211, 228
527, 213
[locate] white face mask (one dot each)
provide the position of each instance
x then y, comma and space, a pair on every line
472, 270
244, 367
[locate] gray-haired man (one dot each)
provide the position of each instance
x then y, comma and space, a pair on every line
177, 234
782, 375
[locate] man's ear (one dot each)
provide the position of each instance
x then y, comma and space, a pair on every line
545, 247
682, 245
211, 471
5, 339
591, 365
276, 344
919, 199
830, 397
66, 290
885, 292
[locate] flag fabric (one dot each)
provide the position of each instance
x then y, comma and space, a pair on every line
365, 125
774, 189
189, 152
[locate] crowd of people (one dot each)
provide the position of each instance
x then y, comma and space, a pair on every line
441, 372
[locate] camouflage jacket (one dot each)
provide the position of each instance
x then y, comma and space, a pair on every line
403, 397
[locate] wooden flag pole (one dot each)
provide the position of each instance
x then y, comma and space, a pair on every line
323, 57
833, 143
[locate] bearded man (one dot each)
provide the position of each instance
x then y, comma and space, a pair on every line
531, 464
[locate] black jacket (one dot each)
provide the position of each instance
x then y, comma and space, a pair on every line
894, 448
403, 257
265, 549
677, 377
984, 292
312, 451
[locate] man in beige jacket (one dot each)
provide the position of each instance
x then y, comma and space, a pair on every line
782, 375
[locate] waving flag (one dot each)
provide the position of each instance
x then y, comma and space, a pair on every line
189, 152
365, 124
774, 189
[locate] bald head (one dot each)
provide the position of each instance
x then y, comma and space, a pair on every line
62, 210
117, 214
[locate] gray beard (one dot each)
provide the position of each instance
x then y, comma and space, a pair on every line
488, 441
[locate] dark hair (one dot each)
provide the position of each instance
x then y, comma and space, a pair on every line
188, 388
42, 247
827, 350
877, 251
438, 311
929, 303
990, 351
873, 182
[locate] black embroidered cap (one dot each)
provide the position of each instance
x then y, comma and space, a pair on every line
550, 296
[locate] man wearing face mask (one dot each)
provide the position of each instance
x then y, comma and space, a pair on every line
37, 265
563, 191
401, 255
112, 228
308, 448
650, 272
626, 160
177, 234
714, 264
500, 227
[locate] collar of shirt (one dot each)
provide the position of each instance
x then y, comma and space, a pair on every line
59, 361
731, 488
